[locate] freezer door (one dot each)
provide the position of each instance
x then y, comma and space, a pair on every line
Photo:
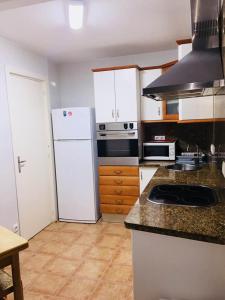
72, 123
75, 180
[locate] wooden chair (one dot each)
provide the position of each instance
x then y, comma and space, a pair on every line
6, 284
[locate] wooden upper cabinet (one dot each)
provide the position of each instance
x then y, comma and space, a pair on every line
117, 95
150, 109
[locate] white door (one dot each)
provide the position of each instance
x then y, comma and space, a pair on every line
72, 123
127, 95
104, 88
75, 180
150, 109
31, 143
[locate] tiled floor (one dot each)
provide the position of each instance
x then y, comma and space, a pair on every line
78, 261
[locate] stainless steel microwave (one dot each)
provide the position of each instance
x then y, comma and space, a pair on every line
159, 150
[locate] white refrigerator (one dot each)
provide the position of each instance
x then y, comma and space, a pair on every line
76, 164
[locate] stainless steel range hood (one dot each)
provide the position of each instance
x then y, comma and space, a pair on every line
201, 72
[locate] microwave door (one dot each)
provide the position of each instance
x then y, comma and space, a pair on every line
156, 152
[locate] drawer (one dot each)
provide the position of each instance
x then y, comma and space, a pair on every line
118, 171
119, 200
115, 209
119, 190
119, 180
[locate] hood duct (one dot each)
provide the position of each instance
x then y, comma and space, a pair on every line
201, 72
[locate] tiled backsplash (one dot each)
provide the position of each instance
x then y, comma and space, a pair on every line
201, 134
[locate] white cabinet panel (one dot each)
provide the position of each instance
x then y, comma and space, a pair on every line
196, 108
183, 50
127, 95
104, 87
146, 174
219, 106
150, 109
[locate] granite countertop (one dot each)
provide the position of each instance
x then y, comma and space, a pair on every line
196, 223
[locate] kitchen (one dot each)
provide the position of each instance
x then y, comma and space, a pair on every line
107, 123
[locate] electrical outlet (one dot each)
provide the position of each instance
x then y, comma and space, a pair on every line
15, 228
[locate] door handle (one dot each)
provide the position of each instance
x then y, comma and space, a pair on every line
117, 113
20, 164
113, 115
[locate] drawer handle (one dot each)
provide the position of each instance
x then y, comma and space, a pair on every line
119, 210
119, 201
117, 172
118, 181
118, 192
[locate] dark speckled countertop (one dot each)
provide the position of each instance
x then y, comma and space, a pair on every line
196, 223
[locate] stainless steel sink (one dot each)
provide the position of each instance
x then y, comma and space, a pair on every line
183, 194
183, 167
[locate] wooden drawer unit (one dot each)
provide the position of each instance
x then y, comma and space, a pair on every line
119, 188
115, 209
118, 171
119, 200
119, 180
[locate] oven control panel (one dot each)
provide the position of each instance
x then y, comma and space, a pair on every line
117, 126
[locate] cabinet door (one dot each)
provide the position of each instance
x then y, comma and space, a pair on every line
219, 106
146, 174
127, 95
104, 88
196, 108
183, 50
150, 109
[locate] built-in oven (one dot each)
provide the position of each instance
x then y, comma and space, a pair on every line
159, 150
118, 143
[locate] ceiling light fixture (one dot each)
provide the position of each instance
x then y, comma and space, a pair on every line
76, 13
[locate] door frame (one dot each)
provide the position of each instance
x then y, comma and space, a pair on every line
44, 80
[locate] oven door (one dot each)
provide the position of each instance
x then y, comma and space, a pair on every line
156, 151
118, 148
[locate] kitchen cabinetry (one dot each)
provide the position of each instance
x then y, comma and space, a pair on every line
117, 95
184, 49
150, 109
146, 174
119, 188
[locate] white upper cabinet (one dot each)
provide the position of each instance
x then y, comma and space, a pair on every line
183, 50
117, 95
150, 109
127, 92
104, 96
196, 108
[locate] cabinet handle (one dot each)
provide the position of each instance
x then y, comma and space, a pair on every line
117, 172
113, 114
118, 192
118, 113
119, 201
119, 181
119, 210
141, 175
159, 111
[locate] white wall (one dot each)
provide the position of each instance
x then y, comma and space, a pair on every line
76, 80
14, 56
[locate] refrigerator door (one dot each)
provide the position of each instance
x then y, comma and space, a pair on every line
72, 123
75, 180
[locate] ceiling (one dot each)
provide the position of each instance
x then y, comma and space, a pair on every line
111, 28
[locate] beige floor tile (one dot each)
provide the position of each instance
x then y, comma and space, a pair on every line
56, 226
78, 288
95, 228
53, 247
37, 262
109, 241
126, 244
123, 258
75, 251
61, 266
119, 273
28, 276
44, 236
88, 239
35, 245
47, 284
25, 256
71, 227
111, 291
116, 229
101, 253
37, 296
67, 238
92, 269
